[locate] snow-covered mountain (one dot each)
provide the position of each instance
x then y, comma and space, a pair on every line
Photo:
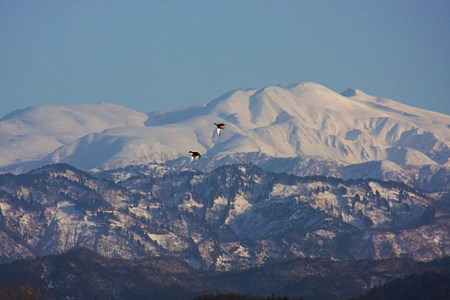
303, 129
233, 217
29, 135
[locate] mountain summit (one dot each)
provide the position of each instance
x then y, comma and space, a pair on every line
302, 128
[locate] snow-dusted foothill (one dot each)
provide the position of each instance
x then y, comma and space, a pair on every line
234, 217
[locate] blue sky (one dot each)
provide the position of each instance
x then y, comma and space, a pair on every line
157, 55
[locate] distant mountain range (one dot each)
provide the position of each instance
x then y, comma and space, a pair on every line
303, 129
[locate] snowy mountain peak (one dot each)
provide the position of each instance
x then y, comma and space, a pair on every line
70, 119
304, 128
30, 134
355, 93
303, 87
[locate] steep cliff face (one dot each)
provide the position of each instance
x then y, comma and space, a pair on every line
233, 217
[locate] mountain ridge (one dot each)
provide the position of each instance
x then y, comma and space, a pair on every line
234, 217
295, 122
81, 273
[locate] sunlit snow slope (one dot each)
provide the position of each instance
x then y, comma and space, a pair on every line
29, 135
289, 125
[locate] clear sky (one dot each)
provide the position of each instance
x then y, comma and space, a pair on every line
157, 55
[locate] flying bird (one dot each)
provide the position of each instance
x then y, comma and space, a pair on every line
219, 126
194, 155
